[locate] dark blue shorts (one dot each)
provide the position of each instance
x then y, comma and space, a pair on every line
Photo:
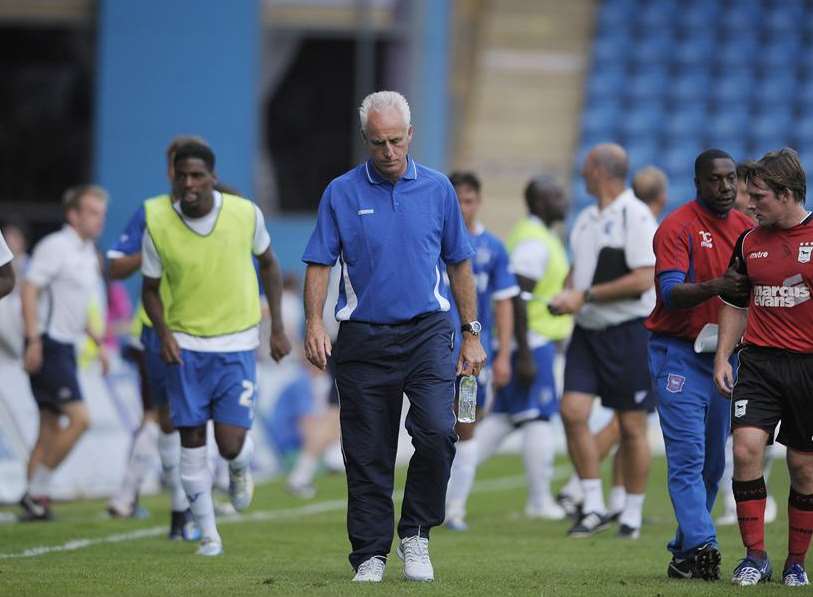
220, 386
611, 363
56, 383
537, 401
156, 368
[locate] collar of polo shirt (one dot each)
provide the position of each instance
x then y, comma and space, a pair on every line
375, 177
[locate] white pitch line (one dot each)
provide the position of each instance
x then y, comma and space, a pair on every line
484, 486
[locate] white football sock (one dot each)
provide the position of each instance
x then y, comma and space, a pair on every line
197, 482
243, 459
169, 448
489, 434
40, 483
304, 470
461, 478
537, 454
573, 488
618, 499
137, 466
593, 496
633, 510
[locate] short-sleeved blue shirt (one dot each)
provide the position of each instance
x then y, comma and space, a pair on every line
129, 243
494, 281
389, 239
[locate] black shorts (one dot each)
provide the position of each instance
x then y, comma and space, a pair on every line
775, 386
611, 363
56, 383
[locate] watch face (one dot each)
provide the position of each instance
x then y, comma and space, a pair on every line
476, 327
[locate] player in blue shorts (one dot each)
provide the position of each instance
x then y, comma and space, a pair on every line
496, 286
201, 245
529, 401
124, 259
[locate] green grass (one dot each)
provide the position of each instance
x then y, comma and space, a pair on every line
305, 552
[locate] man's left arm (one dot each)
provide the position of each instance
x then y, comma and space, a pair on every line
472, 356
272, 283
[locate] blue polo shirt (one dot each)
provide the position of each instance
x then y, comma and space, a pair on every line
389, 238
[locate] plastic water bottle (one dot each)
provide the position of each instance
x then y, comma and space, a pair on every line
467, 399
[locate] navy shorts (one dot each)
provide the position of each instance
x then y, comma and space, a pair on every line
56, 383
156, 368
611, 363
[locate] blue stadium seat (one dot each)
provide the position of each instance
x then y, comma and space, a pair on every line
642, 122
642, 152
610, 51
616, 13
803, 130
694, 52
784, 17
779, 87
737, 53
657, 16
771, 128
698, 15
678, 160
778, 55
732, 88
652, 49
600, 119
648, 84
686, 121
689, 86
728, 122
606, 83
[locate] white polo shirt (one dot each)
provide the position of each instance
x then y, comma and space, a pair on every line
626, 223
6, 255
66, 270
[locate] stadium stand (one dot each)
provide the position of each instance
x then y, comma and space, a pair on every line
670, 78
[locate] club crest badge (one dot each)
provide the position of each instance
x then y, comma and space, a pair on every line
805, 251
739, 408
674, 383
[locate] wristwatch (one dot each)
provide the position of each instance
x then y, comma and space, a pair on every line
473, 327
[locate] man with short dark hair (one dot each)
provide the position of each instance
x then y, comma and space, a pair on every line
65, 266
496, 287
692, 246
774, 382
389, 221
610, 292
201, 244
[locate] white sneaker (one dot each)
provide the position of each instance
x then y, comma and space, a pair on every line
371, 570
770, 510
210, 547
241, 488
547, 510
414, 551
456, 523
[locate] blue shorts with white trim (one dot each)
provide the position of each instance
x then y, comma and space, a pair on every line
536, 401
220, 386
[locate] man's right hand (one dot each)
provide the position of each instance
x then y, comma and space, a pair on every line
32, 359
526, 368
170, 351
724, 378
317, 344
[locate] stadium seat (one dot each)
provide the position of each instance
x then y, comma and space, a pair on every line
728, 122
687, 121
778, 88
606, 83
732, 88
648, 84
689, 86
652, 49
694, 52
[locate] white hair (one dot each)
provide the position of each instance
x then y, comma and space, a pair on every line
378, 101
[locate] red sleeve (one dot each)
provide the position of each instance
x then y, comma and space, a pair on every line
671, 245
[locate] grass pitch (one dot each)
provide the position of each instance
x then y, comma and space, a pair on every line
287, 546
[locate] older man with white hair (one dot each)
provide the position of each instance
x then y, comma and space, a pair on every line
389, 221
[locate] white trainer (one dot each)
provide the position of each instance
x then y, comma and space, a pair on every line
210, 547
371, 570
547, 510
241, 488
414, 551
